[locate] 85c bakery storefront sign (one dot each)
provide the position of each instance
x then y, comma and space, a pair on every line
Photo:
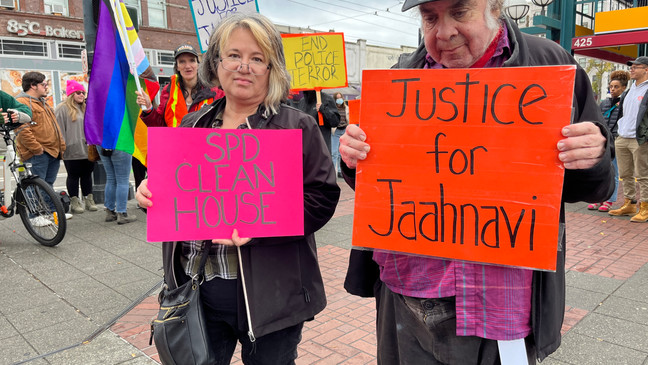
28, 27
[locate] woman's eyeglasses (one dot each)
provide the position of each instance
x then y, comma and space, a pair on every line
79, 93
234, 64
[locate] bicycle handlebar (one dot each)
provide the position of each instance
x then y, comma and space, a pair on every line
22, 117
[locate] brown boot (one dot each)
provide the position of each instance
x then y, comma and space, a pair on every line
642, 216
124, 218
628, 208
111, 215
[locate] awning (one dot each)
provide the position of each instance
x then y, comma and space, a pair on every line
612, 47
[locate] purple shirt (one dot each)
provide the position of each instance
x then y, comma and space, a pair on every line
493, 302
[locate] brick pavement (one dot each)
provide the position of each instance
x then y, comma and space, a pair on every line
604, 245
344, 332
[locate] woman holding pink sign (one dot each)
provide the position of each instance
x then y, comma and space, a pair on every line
258, 291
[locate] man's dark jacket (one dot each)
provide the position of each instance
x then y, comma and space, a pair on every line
591, 185
329, 118
282, 275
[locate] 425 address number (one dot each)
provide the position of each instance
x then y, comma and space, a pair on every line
583, 42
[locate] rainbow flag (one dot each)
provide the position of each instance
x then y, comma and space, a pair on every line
112, 118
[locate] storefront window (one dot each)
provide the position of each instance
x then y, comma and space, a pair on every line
70, 50
23, 48
157, 13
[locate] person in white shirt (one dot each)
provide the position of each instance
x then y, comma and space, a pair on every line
631, 146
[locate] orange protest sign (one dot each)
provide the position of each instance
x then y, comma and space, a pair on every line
354, 111
464, 163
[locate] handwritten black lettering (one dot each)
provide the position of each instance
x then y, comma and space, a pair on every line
404, 81
391, 204
523, 104
430, 219
451, 103
464, 160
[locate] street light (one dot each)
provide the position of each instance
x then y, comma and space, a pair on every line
516, 9
542, 3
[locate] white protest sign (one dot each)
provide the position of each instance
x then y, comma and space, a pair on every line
208, 13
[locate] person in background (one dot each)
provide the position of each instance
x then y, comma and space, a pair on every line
631, 146
444, 311
139, 171
294, 98
325, 113
611, 109
343, 110
118, 167
283, 283
184, 94
12, 110
69, 116
41, 144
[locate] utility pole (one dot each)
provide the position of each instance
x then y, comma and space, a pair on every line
90, 17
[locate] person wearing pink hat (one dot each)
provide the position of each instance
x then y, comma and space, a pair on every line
69, 116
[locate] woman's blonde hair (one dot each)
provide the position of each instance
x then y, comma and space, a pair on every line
269, 40
74, 107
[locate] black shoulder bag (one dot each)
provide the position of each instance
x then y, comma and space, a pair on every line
180, 332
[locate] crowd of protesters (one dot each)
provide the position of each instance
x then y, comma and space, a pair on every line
243, 83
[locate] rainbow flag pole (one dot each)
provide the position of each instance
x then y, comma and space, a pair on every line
112, 118
119, 19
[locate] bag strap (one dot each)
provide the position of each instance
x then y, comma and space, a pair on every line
203, 258
609, 111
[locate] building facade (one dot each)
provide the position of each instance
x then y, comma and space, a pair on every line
49, 36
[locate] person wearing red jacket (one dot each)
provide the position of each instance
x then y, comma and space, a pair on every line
184, 94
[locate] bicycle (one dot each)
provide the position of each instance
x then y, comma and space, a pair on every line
40, 208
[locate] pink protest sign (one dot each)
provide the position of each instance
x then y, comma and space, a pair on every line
206, 182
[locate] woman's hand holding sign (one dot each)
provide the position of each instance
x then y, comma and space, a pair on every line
353, 146
235, 241
143, 195
583, 147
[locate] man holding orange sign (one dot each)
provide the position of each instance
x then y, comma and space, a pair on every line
446, 311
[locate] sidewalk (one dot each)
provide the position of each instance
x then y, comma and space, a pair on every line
53, 299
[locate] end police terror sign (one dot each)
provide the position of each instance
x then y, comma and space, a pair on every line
315, 60
207, 14
464, 163
222, 179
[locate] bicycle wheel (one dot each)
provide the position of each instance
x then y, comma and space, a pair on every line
41, 211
